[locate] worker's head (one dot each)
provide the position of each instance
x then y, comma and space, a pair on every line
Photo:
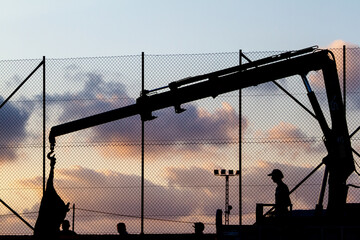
121, 228
65, 225
199, 227
276, 175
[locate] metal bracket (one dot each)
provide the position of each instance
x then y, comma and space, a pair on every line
174, 90
143, 103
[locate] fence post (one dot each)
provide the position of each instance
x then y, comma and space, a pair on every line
344, 77
73, 218
240, 147
142, 146
44, 123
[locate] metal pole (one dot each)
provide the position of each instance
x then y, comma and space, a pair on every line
22, 83
73, 218
142, 146
319, 206
240, 147
227, 200
354, 132
44, 123
344, 77
16, 214
302, 181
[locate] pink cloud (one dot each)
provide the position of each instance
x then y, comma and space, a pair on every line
340, 43
352, 69
288, 139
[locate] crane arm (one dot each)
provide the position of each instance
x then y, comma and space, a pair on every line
203, 86
250, 74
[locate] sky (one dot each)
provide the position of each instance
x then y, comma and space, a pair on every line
99, 168
84, 28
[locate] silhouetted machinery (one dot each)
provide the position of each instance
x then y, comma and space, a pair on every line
339, 161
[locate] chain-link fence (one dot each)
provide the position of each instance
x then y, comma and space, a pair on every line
99, 169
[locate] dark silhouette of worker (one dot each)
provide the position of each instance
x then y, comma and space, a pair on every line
52, 210
282, 198
199, 228
65, 225
121, 228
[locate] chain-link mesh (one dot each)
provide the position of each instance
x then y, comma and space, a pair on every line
99, 169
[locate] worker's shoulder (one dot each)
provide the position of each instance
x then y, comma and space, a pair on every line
283, 187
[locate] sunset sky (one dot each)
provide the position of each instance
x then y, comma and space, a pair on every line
99, 168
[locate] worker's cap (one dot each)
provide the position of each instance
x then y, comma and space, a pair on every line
276, 173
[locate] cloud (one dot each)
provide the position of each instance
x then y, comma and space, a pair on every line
186, 132
352, 69
96, 96
120, 194
352, 63
257, 186
195, 124
12, 127
189, 193
115, 192
188, 196
340, 43
284, 136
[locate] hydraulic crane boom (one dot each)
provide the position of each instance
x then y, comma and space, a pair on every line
195, 88
339, 160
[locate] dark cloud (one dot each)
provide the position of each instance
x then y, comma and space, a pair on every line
12, 127
96, 96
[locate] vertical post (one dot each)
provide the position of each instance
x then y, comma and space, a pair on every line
142, 146
240, 146
44, 123
344, 77
227, 210
73, 218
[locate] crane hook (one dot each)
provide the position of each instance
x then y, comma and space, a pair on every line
51, 157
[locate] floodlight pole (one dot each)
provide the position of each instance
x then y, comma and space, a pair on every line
229, 173
227, 206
